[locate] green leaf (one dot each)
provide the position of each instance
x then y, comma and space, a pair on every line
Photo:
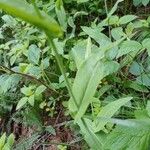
31, 100
136, 68
11, 140
34, 54
144, 79
108, 111
40, 89
146, 44
22, 102
145, 2
94, 141
25, 11
82, 1
61, 14
2, 140
114, 8
137, 2
137, 87
148, 107
117, 33
127, 19
81, 51
128, 46
95, 33
113, 20
27, 91
129, 135
87, 79
87, 70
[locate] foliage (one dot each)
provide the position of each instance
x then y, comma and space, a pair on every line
6, 143
93, 61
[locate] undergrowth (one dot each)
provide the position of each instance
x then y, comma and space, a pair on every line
75, 74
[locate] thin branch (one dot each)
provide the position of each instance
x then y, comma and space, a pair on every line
29, 77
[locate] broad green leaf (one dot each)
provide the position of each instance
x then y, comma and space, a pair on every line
27, 91
22, 102
146, 44
128, 46
80, 51
129, 135
11, 140
6, 147
40, 90
126, 19
2, 141
113, 20
89, 75
137, 2
117, 33
31, 100
87, 79
25, 11
95, 33
86, 71
145, 2
34, 54
136, 68
108, 111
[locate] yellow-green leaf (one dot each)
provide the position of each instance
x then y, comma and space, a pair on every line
25, 11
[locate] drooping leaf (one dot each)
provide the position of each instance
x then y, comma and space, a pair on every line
108, 111
126, 19
128, 46
25, 11
130, 135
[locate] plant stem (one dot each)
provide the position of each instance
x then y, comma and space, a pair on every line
60, 64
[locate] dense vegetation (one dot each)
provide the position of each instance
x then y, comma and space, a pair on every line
74, 74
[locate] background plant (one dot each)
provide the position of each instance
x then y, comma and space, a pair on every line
111, 79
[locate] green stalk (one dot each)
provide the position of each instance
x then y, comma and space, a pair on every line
60, 64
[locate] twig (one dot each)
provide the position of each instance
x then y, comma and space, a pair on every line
31, 78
